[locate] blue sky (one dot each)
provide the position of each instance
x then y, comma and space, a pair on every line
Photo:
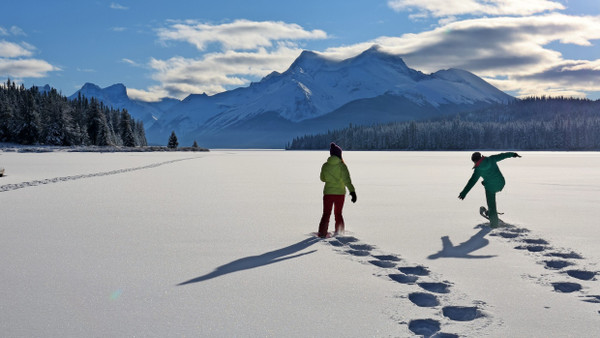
175, 48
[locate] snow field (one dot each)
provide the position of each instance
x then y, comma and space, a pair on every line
218, 244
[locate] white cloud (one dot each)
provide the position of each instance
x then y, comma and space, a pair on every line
245, 50
153, 94
238, 35
23, 68
13, 50
514, 48
447, 8
115, 5
216, 71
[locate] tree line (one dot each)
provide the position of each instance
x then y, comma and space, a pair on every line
28, 116
536, 123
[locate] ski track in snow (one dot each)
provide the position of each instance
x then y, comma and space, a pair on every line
426, 290
567, 269
15, 186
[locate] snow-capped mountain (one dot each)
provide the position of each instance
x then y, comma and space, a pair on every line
317, 93
313, 95
116, 96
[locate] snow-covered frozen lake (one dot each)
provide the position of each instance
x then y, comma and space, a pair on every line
218, 245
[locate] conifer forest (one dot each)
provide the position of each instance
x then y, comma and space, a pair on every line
537, 123
28, 116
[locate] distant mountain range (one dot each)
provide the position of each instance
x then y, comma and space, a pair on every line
314, 95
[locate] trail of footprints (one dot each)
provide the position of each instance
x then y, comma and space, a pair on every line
34, 183
562, 262
425, 291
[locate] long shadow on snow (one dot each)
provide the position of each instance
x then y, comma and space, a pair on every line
464, 250
257, 261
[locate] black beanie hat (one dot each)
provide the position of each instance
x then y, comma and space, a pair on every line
476, 157
335, 150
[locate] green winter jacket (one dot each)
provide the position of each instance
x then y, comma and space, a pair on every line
335, 174
493, 180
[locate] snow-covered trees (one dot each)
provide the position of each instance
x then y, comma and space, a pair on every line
529, 124
30, 117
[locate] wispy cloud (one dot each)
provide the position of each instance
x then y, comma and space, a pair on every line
13, 30
130, 62
115, 5
244, 50
17, 31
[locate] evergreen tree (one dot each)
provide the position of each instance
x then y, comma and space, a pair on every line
27, 120
97, 125
140, 134
173, 144
126, 130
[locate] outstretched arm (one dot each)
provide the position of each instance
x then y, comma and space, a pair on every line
469, 185
502, 156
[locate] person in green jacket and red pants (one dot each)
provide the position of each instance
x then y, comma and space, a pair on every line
493, 181
336, 176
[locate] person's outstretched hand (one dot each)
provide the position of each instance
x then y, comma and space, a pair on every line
516, 155
461, 196
353, 194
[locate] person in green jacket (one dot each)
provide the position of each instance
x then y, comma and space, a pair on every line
336, 176
493, 181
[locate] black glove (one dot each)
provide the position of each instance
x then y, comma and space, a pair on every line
461, 196
353, 194
516, 155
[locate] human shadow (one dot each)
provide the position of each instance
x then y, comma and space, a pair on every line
464, 250
257, 261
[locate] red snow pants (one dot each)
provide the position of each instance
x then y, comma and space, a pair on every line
335, 202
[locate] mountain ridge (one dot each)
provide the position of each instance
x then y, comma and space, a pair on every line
314, 93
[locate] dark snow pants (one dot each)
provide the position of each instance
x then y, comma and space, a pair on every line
490, 196
335, 202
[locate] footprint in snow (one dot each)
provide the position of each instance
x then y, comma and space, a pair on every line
383, 264
461, 313
531, 248
363, 247
359, 253
566, 287
336, 243
402, 278
557, 264
415, 270
571, 255
424, 327
346, 239
536, 241
387, 258
581, 274
423, 299
435, 287
506, 234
